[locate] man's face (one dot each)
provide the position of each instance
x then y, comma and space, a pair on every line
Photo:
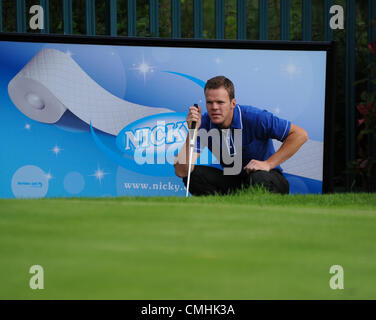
220, 107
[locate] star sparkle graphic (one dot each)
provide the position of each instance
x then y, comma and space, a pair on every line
99, 174
56, 150
143, 68
291, 69
48, 176
27, 126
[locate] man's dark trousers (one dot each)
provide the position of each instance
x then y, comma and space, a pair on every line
209, 180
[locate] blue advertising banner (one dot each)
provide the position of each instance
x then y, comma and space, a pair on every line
74, 116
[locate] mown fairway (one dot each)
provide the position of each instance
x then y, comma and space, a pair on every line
246, 246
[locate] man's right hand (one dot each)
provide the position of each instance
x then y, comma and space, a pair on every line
194, 115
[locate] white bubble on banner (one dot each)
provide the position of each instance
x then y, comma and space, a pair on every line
29, 182
74, 182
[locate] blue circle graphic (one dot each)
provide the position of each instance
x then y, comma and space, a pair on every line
74, 182
29, 182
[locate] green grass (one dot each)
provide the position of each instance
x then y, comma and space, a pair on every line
250, 245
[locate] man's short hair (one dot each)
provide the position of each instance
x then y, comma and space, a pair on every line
221, 81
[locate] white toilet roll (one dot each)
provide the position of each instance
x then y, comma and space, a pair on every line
52, 82
307, 162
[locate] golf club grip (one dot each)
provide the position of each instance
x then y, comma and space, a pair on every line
193, 125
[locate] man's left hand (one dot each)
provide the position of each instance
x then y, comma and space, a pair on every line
255, 165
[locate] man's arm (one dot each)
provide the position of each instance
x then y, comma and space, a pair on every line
295, 139
181, 162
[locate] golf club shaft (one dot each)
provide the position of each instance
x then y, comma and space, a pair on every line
189, 169
191, 145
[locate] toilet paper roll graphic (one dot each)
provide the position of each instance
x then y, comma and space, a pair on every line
52, 82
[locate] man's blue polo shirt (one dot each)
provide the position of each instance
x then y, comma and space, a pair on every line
258, 127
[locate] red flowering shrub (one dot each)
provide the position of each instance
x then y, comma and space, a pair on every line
365, 165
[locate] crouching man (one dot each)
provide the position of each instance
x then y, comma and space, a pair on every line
244, 134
